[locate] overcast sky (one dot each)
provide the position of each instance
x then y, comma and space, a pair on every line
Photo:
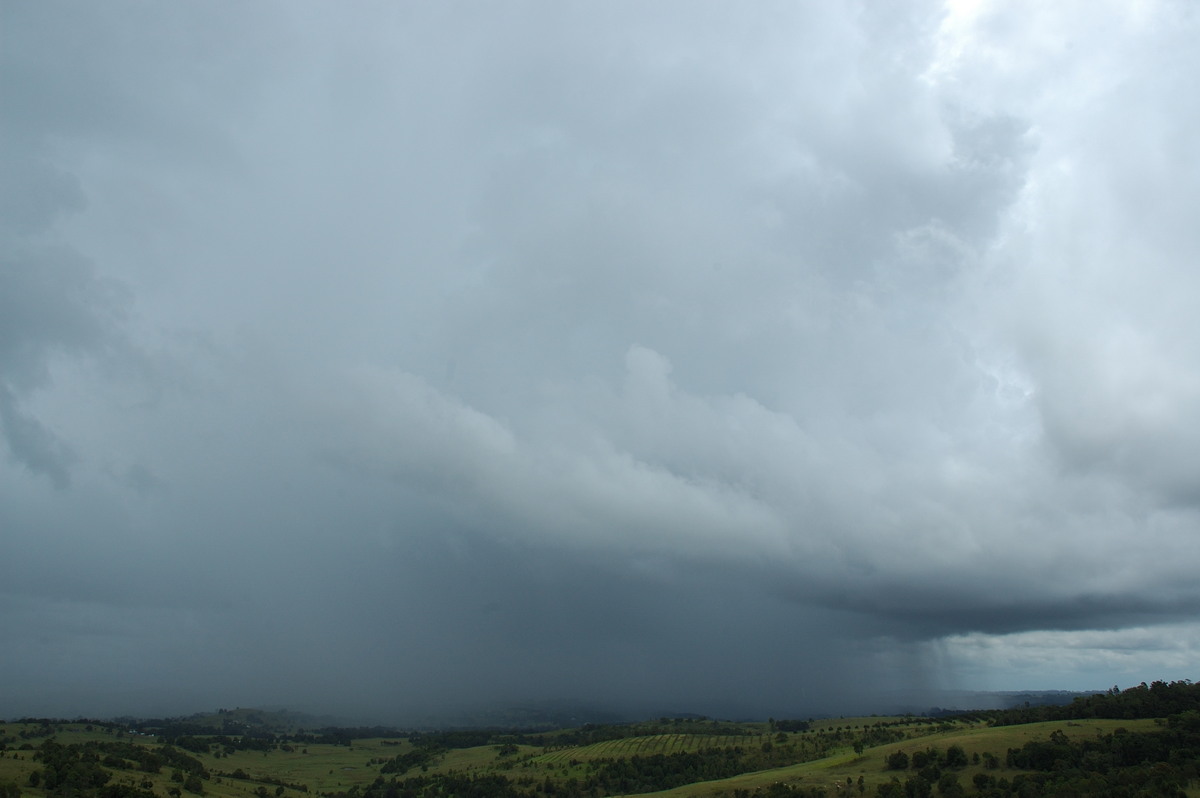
399, 358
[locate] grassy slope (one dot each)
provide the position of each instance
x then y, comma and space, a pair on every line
846, 764
322, 768
328, 768
649, 745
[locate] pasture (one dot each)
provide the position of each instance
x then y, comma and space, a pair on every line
820, 757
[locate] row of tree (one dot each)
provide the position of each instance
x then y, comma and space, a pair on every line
1155, 700
74, 771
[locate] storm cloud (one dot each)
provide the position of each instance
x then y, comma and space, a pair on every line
401, 359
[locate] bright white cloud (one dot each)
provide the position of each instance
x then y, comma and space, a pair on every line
1125, 656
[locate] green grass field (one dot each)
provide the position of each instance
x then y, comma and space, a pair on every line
650, 745
846, 766
337, 768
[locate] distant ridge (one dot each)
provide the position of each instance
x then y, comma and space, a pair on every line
245, 720
536, 715
940, 702
531, 715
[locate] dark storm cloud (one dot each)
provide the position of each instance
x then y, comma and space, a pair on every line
682, 358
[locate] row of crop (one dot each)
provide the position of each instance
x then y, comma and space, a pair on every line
646, 746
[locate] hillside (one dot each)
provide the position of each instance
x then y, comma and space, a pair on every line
992, 753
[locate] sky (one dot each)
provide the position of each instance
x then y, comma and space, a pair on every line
401, 359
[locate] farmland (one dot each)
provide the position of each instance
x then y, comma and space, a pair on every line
296, 768
987, 754
814, 758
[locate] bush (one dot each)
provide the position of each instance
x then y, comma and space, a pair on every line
955, 757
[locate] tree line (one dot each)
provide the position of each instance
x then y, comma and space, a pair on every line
1156, 700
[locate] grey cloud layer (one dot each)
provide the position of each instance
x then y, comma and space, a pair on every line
588, 349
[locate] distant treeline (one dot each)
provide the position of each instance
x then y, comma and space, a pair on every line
1156, 700
200, 742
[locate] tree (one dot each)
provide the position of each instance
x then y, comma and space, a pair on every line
955, 757
922, 758
948, 785
890, 789
917, 787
